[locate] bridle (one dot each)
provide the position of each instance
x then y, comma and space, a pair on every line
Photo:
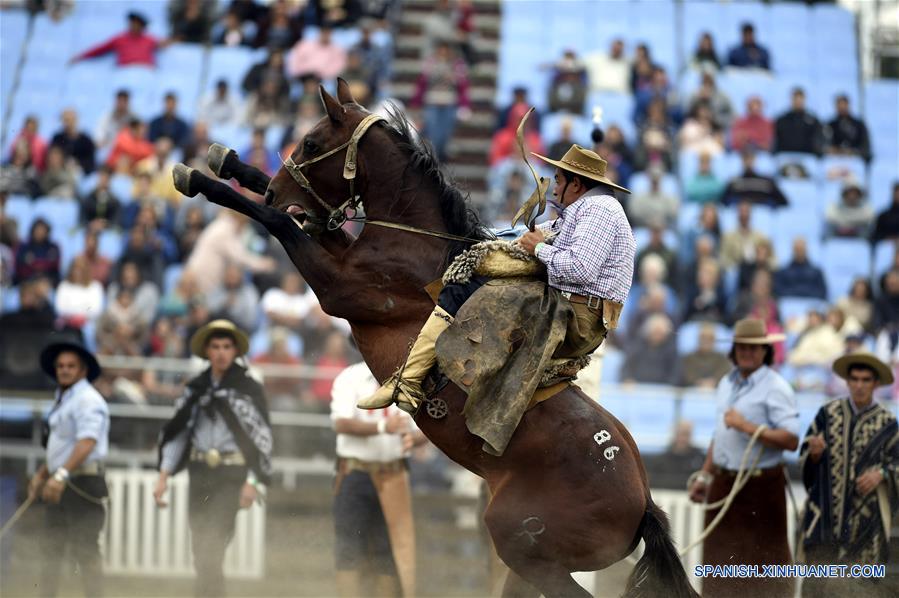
338, 216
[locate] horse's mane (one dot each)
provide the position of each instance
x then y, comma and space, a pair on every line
455, 206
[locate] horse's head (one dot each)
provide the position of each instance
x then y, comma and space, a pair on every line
324, 174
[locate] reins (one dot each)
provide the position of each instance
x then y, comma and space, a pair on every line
337, 216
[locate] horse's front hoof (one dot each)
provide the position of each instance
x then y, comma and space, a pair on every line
181, 174
220, 158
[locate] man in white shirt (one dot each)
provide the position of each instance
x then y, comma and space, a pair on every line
609, 72
288, 304
71, 482
372, 502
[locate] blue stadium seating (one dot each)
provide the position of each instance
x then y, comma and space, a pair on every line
688, 336
810, 162
699, 408
62, 214
170, 277
798, 307
884, 254
843, 260
10, 302
20, 209
884, 174
551, 126
640, 183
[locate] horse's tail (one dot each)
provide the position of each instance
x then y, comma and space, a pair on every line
659, 572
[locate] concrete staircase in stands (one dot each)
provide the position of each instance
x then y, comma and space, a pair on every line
471, 143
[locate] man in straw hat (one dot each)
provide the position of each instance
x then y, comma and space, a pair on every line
221, 433
754, 529
589, 256
71, 481
850, 468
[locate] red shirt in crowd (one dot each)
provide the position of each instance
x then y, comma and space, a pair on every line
752, 131
129, 49
129, 145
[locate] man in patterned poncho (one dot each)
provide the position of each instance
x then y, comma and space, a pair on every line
850, 467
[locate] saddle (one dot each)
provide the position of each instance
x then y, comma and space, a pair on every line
499, 347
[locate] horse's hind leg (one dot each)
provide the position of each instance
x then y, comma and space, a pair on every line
225, 164
517, 587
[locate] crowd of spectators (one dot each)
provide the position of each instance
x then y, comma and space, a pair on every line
176, 262
698, 277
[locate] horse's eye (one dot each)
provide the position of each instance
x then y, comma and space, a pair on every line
310, 147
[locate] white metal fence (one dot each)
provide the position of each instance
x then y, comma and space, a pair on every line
141, 539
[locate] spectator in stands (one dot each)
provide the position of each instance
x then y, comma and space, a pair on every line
99, 266
59, 178
672, 469
887, 224
169, 124
653, 206
257, 147
762, 259
558, 148
852, 215
614, 148
75, 144
375, 59
192, 228
797, 130
271, 68
705, 299
35, 317
235, 299
445, 23
655, 139
505, 144
568, 89
288, 304
700, 134
114, 121
319, 57
758, 301
749, 54
191, 20
280, 28
231, 32
442, 89
134, 47
704, 248
705, 187
659, 89
122, 328
145, 251
308, 113
519, 100
144, 293
715, 99
79, 298
642, 69
847, 135
267, 108
30, 139
38, 257
220, 108
332, 361
741, 242
609, 71
859, 303
142, 197
18, 176
130, 147
753, 131
222, 242
705, 58
165, 341
177, 300
705, 366
283, 391
657, 247
653, 357
101, 208
818, 344
159, 168
651, 295
800, 278
752, 187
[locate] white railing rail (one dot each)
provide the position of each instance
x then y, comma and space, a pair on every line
141, 539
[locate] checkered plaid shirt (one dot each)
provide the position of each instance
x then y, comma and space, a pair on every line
593, 253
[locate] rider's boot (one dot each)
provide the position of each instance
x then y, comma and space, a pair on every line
404, 386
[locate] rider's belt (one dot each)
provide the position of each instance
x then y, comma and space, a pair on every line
213, 458
350, 464
94, 468
732, 473
590, 301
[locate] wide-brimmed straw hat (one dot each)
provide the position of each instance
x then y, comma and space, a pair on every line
884, 373
751, 331
52, 351
584, 162
201, 336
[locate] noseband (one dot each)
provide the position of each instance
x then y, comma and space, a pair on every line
336, 216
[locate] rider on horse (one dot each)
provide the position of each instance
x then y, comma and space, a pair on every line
589, 257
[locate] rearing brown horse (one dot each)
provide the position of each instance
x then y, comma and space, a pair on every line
570, 493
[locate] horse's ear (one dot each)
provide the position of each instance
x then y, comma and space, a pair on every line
335, 111
343, 92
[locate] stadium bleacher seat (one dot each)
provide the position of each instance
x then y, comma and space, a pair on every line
842, 166
551, 127
641, 183
62, 214
111, 244
612, 359
10, 301
20, 209
884, 257
808, 161
884, 175
699, 408
798, 307
842, 261
170, 277
688, 336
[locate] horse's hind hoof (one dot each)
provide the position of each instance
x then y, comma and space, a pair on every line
181, 174
219, 158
